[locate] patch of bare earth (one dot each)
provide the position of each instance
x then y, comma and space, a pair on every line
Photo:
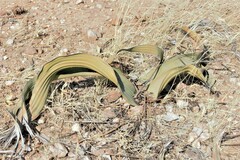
87, 118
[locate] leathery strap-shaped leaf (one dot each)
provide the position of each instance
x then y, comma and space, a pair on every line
69, 66
160, 82
149, 49
177, 61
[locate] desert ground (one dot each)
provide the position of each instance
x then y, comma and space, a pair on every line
87, 118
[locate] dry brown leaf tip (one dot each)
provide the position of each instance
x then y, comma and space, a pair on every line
191, 33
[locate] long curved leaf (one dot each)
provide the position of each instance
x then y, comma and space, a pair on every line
160, 82
68, 66
149, 49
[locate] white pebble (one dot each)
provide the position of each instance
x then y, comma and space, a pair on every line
66, 1
75, 127
169, 107
99, 6
79, 1
41, 121
197, 131
107, 157
182, 103
5, 57
170, 117
10, 41
116, 120
62, 21
91, 34
15, 26
9, 83
233, 80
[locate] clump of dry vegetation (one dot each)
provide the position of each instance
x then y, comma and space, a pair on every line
86, 117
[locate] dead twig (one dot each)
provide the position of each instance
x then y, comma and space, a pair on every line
165, 149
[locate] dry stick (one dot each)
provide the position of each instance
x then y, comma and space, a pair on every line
104, 134
118, 155
112, 130
164, 150
237, 144
92, 122
225, 138
235, 51
217, 143
145, 115
231, 137
147, 82
227, 68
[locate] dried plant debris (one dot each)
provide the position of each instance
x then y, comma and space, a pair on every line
19, 10
191, 33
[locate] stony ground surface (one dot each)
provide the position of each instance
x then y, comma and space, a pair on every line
88, 119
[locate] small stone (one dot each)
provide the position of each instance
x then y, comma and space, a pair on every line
9, 83
21, 69
116, 120
66, 1
133, 76
169, 107
79, 1
75, 127
191, 137
234, 80
99, 6
170, 117
182, 104
41, 120
197, 131
71, 155
15, 27
108, 113
64, 50
10, 98
86, 158
30, 51
24, 60
10, 41
92, 34
116, 21
5, 57
113, 96
196, 144
136, 111
4, 70
204, 136
102, 151
34, 8
2, 50
42, 33
2, 13
58, 150
106, 157
62, 21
